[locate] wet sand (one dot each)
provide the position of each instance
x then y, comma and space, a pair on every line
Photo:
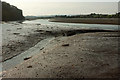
87, 55
73, 52
17, 38
113, 21
17, 42
20, 39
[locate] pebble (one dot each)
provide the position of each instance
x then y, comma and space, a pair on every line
27, 58
29, 66
65, 45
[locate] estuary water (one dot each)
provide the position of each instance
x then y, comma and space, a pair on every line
74, 25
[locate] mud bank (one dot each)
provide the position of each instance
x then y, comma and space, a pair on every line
88, 55
14, 48
113, 21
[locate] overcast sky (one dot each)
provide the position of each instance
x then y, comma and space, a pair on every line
53, 7
64, 0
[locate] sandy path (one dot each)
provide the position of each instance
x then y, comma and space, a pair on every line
89, 55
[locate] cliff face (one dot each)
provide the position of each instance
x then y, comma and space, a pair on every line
11, 13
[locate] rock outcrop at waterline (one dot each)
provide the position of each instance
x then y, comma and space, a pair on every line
11, 13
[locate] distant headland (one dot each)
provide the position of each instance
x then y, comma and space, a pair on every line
11, 13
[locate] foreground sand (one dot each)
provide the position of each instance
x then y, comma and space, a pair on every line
89, 55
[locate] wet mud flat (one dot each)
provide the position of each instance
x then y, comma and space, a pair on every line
14, 48
88, 55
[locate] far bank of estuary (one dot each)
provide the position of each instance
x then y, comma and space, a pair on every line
112, 21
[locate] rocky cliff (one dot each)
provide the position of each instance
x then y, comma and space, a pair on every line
11, 13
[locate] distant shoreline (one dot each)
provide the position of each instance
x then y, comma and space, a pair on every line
113, 21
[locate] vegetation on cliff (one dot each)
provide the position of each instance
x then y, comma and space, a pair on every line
11, 13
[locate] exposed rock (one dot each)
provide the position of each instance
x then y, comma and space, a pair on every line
19, 28
27, 58
11, 13
29, 66
38, 24
39, 31
16, 33
65, 45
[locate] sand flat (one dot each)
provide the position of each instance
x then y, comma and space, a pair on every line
89, 55
113, 21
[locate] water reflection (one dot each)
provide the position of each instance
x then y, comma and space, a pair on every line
71, 25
